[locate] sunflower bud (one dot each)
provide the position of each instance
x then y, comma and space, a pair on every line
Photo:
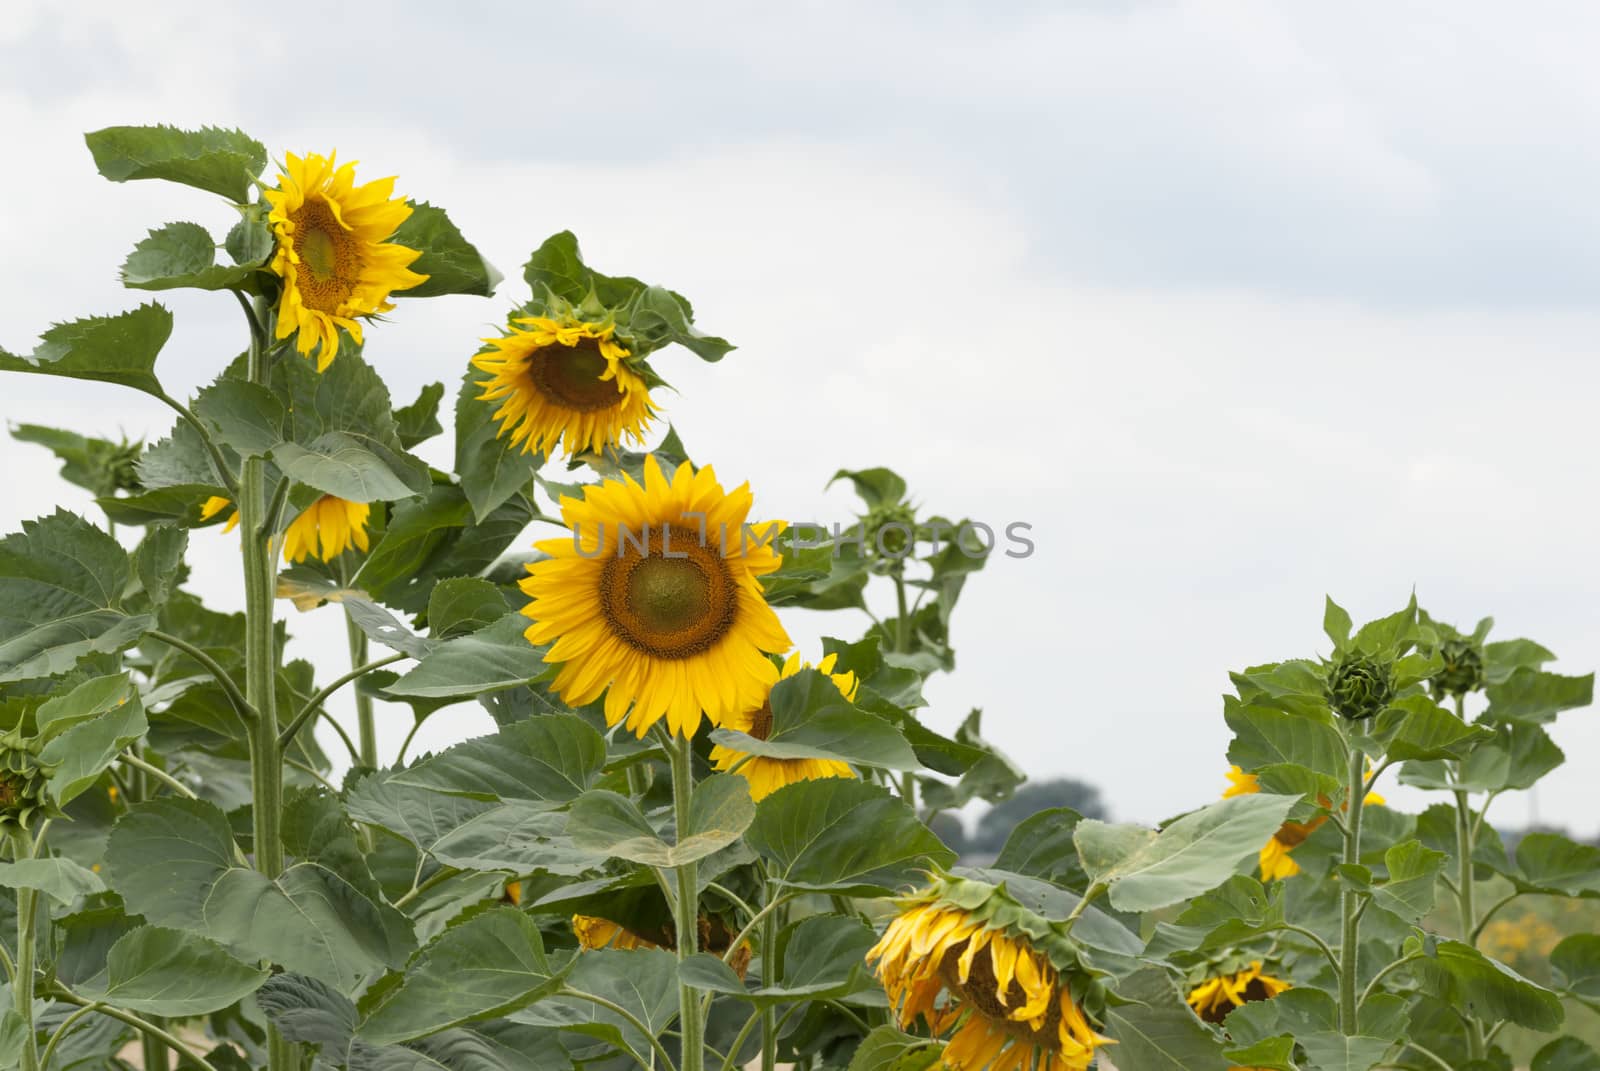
891, 530
1360, 686
24, 783
1463, 668
123, 471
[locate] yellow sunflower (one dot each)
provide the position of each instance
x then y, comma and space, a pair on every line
563, 381
654, 599
215, 505
1218, 995
1005, 1006
593, 932
326, 529
333, 254
1275, 861
767, 775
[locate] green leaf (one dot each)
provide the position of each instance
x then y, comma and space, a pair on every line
100, 466
844, 835
250, 242
489, 660
1156, 1031
159, 561
451, 263
720, 810
246, 416
1577, 958
1336, 623
1413, 874
1265, 737
643, 981
419, 421
61, 879
112, 718
1145, 870
225, 162
464, 604
172, 860
61, 584
885, 1048
180, 255
551, 758
1566, 1054
1505, 657
1418, 728
310, 1012
435, 537
1517, 757
1236, 911
156, 971
1535, 696
489, 965
1551, 863
345, 466
1486, 989
1041, 846
1329, 1050
877, 487
491, 469
118, 349
824, 957
811, 720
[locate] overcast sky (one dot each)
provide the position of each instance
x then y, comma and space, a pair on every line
1236, 304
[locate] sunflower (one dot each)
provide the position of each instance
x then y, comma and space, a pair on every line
653, 598
1275, 861
215, 505
563, 381
593, 932
1219, 994
326, 529
767, 775
333, 253
1007, 1005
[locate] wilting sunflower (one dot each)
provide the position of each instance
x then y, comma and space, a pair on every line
654, 599
1275, 861
1006, 1003
215, 505
563, 381
334, 254
767, 775
1219, 994
326, 529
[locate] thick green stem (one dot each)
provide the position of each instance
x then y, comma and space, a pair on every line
771, 973
260, 669
1465, 892
1349, 905
157, 1057
366, 726
22, 983
686, 908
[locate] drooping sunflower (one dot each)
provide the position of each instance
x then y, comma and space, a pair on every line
767, 775
215, 505
1006, 975
654, 598
326, 529
334, 254
1220, 993
563, 381
1275, 861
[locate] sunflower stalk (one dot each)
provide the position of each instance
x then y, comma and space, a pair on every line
22, 847
366, 725
1465, 893
1349, 898
770, 971
686, 907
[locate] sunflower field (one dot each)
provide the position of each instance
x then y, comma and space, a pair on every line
688, 844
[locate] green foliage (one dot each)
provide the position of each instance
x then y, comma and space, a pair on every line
224, 162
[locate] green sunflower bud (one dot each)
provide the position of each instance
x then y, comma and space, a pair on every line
1360, 686
891, 530
24, 783
123, 471
1463, 668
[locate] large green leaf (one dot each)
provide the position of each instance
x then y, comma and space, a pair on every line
1553, 864
180, 255
1265, 737
173, 862
464, 604
225, 162
824, 956
158, 971
1145, 870
719, 811
489, 660
1566, 1054
885, 1048
1041, 846
491, 469
844, 835
106, 716
118, 349
1415, 727
61, 585
1239, 909
451, 263
419, 421
1577, 959
811, 720
435, 537
1487, 989
1533, 695
643, 981
60, 879
489, 965
551, 758
1413, 875
1156, 1031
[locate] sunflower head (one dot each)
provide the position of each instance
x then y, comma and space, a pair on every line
326, 529
563, 381
594, 932
653, 598
766, 775
333, 252
1223, 985
1359, 685
24, 782
890, 529
1007, 986
1462, 671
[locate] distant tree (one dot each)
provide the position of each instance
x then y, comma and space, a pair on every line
998, 821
